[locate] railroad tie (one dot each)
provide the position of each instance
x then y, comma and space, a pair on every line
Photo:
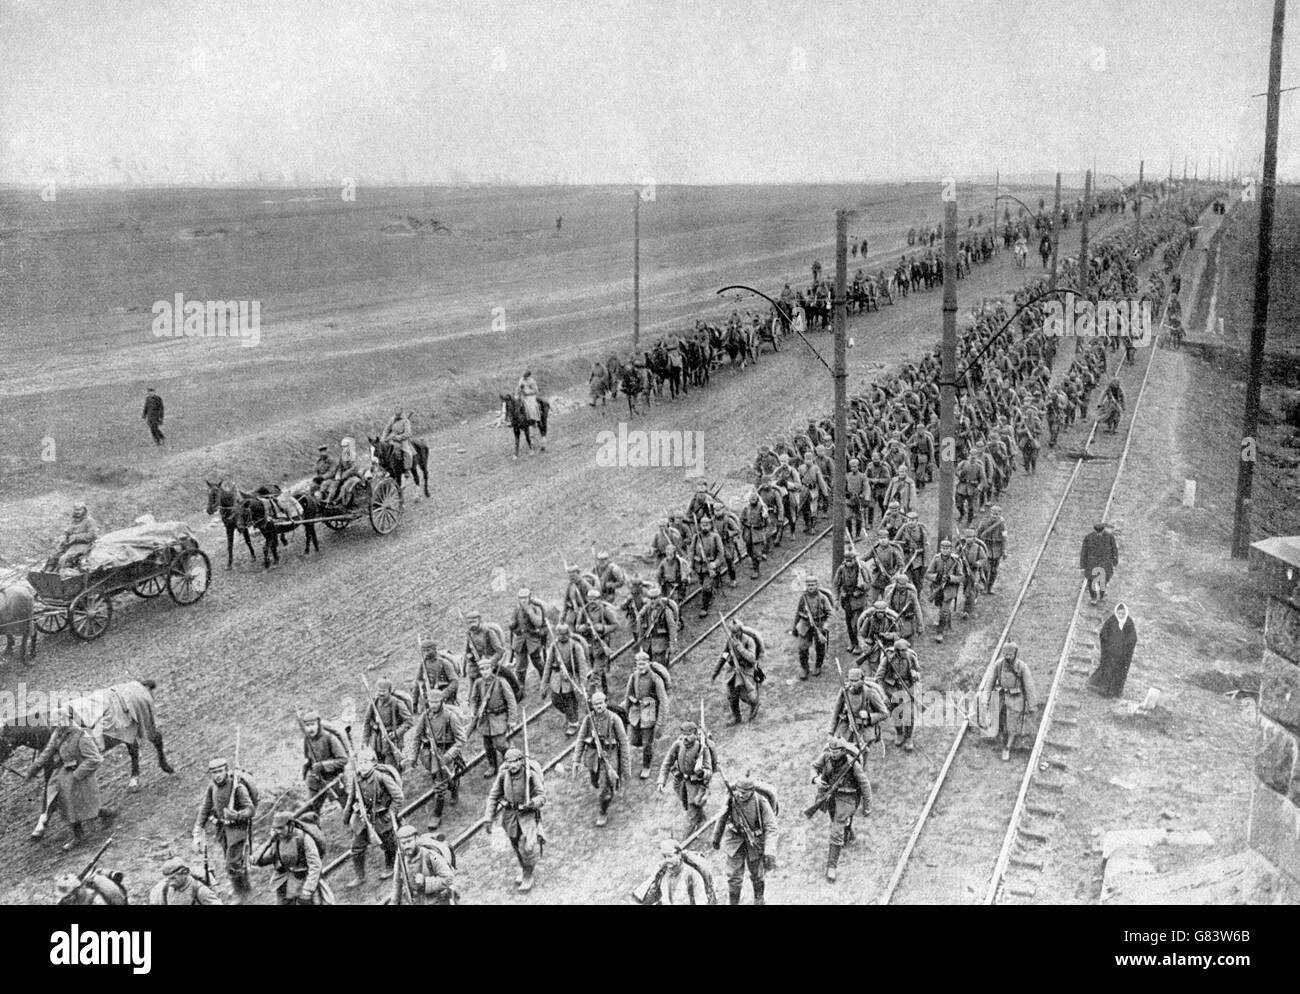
1028, 862
1063, 746
1037, 834
1042, 809
1024, 890
1053, 786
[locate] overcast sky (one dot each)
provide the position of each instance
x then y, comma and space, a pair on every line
610, 91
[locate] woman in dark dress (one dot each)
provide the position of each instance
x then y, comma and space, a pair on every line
1118, 638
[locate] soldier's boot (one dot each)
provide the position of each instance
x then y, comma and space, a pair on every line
490, 751
734, 702
436, 821
239, 882
733, 895
78, 836
602, 817
106, 816
647, 760
821, 658
389, 859
759, 887
694, 818
832, 861
706, 597
753, 707
455, 791
358, 871
527, 880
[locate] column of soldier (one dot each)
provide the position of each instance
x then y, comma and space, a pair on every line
1005, 399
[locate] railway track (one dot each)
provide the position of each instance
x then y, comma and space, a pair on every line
950, 856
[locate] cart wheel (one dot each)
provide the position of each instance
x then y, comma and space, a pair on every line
386, 505
89, 615
189, 578
51, 621
337, 524
151, 587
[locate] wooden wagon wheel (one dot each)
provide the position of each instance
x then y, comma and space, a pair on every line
150, 587
337, 524
89, 615
191, 573
386, 505
51, 621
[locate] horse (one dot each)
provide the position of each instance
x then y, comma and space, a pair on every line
18, 613
390, 458
255, 513
226, 500
512, 411
122, 714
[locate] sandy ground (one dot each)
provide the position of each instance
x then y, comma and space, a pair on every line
261, 643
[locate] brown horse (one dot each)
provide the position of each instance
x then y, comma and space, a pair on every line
226, 500
390, 458
18, 615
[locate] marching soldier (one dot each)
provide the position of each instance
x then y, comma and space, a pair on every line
913, 539
439, 743
709, 557
877, 628
437, 672
603, 750
690, 760
860, 708
970, 483
851, 590
528, 637
748, 830
754, 531
484, 646
893, 519
741, 657
632, 604
519, 793
678, 879
993, 533
842, 786
374, 798
428, 870
657, 626
647, 700
672, 574
945, 577
575, 592
1007, 695
596, 624
609, 575
974, 559
295, 857
817, 489
228, 803
178, 887
495, 708
387, 722
898, 673
811, 617
74, 786
857, 497
878, 476
666, 539
901, 598
325, 756
564, 673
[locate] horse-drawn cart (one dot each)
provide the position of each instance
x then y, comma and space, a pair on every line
377, 498
145, 559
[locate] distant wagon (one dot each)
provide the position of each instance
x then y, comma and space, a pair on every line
144, 559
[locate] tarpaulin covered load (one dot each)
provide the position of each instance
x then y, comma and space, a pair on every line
135, 544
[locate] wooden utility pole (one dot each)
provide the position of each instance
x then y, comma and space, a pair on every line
636, 269
948, 374
1137, 224
1056, 230
997, 187
1083, 243
1263, 264
839, 486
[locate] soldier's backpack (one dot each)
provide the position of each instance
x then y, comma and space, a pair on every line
245, 778
759, 649
438, 845
309, 823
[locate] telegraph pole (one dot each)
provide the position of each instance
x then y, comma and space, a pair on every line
948, 373
997, 184
1056, 230
1137, 227
1259, 325
839, 486
636, 269
1083, 243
